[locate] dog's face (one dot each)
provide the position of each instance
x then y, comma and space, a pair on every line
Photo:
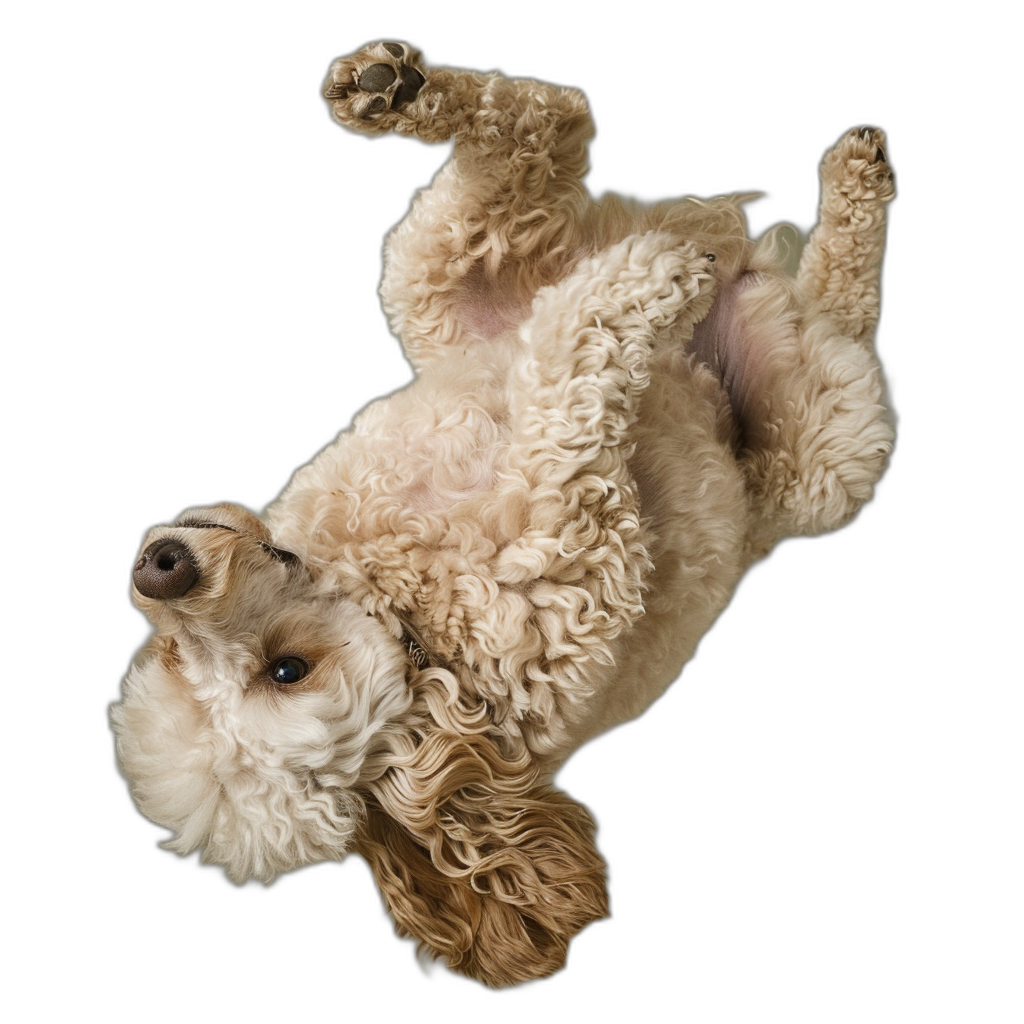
253, 716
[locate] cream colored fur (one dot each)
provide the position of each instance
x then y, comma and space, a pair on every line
617, 409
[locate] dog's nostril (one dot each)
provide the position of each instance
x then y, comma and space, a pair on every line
166, 569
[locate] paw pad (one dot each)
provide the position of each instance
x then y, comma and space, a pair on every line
395, 85
380, 78
376, 78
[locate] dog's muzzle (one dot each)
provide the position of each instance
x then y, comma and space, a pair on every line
166, 569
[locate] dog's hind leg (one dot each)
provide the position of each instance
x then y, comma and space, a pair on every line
501, 219
798, 359
839, 272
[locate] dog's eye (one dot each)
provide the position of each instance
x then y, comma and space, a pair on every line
279, 553
288, 670
201, 524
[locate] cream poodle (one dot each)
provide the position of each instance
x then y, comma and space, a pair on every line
617, 409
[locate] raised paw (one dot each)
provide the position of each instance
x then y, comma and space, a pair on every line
658, 277
857, 167
370, 90
683, 279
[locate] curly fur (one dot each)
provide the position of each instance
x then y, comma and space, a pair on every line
617, 408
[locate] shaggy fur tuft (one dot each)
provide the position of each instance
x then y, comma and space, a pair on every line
476, 858
617, 409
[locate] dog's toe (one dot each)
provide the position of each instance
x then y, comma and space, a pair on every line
376, 78
857, 167
875, 137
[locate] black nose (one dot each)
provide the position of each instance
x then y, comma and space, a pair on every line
166, 569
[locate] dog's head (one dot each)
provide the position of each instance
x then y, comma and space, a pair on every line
251, 718
271, 723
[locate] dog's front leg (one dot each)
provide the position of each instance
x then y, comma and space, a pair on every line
580, 559
589, 340
503, 216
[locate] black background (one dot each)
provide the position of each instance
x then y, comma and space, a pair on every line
762, 822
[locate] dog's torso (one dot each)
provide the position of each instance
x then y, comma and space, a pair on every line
420, 513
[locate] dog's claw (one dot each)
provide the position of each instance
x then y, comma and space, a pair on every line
858, 167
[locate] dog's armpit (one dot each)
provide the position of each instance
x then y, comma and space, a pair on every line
718, 339
735, 341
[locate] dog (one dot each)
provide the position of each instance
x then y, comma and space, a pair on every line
617, 409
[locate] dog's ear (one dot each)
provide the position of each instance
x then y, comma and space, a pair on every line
489, 870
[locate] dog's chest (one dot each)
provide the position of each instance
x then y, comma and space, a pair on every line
444, 442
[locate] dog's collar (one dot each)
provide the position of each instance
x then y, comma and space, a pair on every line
414, 648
